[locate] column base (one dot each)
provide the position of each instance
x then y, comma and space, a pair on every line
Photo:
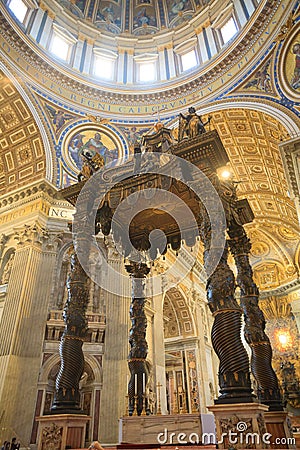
279, 425
240, 425
66, 401
62, 431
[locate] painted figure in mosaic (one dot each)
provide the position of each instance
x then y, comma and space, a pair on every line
296, 77
144, 17
92, 146
58, 116
75, 144
178, 6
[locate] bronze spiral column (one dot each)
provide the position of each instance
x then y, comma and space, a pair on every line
234, 375
67, 397
261, 352
137, 340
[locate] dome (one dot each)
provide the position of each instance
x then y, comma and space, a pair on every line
138, 17
119, 43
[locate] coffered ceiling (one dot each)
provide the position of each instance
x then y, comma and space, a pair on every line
22, 156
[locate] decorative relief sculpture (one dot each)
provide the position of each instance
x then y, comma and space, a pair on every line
7, 269
52, 437
191, 125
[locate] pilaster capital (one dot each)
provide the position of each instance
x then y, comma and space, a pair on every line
51, 14
113, 254
36, 235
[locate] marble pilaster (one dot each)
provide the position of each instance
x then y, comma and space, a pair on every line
22, 328
295, 304
115, 370
159, 353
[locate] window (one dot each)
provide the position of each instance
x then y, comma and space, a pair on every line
19, 9
104, 63
189, 60
147, 72
146, 69
186, 55
59, 47
104, 68
61, 43
228, 30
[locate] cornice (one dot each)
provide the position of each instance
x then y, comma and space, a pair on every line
28, 194
281, 290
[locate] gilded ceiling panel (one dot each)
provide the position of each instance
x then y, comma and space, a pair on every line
251, 139
22, 157
178, 320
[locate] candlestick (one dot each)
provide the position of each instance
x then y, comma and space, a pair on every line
159, 386
135, 383
143, 383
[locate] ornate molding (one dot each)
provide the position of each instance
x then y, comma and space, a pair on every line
28, 194
281, 290
290, 152
35, 234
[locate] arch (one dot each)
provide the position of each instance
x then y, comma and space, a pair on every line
181, 313
275, 110
46, 144
54, 359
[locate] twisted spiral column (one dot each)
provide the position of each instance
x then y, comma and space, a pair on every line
137, 339
234, 375
261, 352
67, 397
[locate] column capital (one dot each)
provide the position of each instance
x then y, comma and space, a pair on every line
37, 235
137, 269
31, 234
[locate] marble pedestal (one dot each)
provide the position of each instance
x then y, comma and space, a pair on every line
62, 431
279, 424
240, 425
